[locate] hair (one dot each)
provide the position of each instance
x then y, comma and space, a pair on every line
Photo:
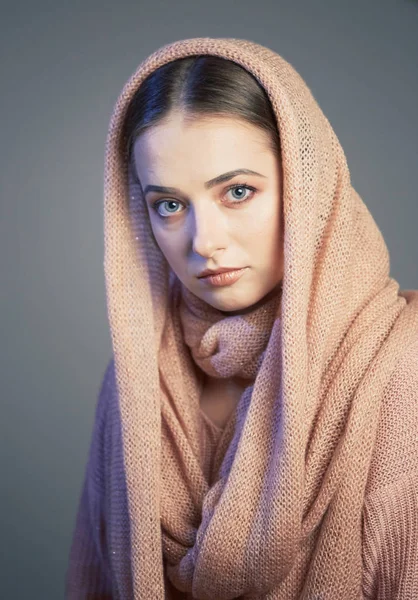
199, 86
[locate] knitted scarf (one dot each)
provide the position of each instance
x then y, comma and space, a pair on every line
226, 346
283, 516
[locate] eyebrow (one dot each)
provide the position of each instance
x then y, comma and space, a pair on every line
208, 184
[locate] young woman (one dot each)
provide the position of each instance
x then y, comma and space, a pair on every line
256, 429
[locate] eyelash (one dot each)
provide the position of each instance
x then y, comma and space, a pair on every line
231, 187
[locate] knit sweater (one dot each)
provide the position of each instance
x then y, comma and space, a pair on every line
99, 562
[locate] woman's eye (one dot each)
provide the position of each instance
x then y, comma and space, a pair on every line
170, 210
241, 195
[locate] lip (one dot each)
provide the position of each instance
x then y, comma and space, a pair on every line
207, 272
227, 277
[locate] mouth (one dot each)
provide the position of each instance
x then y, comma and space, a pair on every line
211, 272
224, 278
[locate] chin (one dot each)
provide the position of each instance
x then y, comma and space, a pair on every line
232, 306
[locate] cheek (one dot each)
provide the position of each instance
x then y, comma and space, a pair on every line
170, 245
261, 234
265, 221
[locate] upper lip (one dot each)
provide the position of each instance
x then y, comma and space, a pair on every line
216, 271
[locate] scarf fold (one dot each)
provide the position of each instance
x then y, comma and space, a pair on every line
282, 518
227, 346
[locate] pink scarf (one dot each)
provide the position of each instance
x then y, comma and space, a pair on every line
227, 346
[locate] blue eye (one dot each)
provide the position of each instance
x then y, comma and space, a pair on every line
160, 203
242, 186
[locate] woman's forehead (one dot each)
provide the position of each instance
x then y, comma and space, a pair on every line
202, 151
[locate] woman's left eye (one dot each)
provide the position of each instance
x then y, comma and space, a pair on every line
241, 186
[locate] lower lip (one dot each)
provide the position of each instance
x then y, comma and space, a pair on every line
222, 279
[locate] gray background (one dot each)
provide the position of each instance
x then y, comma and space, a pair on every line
62, 68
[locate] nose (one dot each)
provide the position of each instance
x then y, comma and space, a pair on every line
209, 231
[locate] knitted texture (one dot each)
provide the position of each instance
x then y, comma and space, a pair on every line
282, 508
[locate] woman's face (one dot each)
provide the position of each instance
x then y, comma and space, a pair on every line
207, 218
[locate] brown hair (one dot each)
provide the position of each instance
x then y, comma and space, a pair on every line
199, 85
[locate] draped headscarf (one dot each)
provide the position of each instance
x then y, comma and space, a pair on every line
281, 517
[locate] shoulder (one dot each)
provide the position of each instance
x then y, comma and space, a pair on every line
108, 387
107, 405
390, 540
390, 514
108, 411
395, 451
106, 429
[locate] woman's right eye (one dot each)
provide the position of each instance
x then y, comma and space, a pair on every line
157, 205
